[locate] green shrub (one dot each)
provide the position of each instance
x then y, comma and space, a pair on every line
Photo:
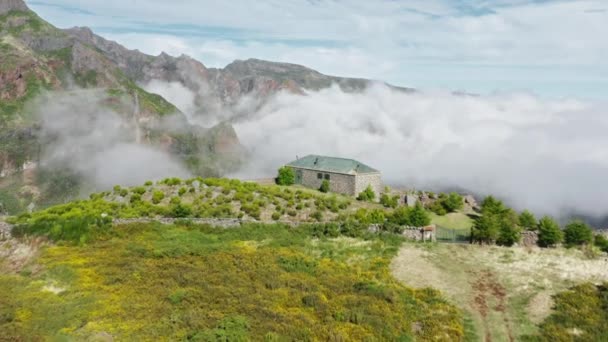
367, 195
601, 242
509, 233
124, 192
181, 210
324, 186
286, 176
581, 308
317, 215
577, 233
177, 297
157, 196
172, 181
401, 216
148, 183
418, 217
438, 208
376, 216
276, 216
135, 198
447, 203
486, 229
182, 191
527, 220
549, 233
452, 202
493, 206
140, 190
389, 201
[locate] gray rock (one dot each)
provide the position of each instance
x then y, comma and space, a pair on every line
470, 201
411, 200
12, 5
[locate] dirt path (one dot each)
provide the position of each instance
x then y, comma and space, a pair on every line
504, 291
489, 297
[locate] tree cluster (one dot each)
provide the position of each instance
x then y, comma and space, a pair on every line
497, 224
447, 203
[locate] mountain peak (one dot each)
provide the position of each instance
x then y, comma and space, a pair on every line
12, 5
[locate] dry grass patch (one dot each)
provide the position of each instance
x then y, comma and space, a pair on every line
506, 290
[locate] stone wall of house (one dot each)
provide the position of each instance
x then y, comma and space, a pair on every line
338, 183
373, 179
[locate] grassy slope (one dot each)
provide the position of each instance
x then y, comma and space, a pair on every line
580, 315
272, 283
505, 291
210, 197
458, 220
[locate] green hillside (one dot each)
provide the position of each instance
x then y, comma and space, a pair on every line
43, 65
198, 283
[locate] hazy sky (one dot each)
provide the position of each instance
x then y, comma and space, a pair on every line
550, 48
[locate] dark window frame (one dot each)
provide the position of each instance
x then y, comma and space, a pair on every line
319, 175
326, 176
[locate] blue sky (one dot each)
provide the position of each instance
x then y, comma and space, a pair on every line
552, 48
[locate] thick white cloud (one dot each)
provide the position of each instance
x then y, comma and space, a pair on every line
548, 156
99, 144
551, 47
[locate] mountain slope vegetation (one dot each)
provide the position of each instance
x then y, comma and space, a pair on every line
43, 65
198, 283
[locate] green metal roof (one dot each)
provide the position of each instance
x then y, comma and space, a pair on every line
332, 164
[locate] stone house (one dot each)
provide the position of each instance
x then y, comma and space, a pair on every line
345, 176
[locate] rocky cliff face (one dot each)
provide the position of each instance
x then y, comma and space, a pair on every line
37, 58
218, 89
12, 5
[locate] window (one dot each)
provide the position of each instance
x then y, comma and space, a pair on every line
319, 176
327, 176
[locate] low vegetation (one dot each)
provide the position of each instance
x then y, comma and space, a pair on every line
198, 283
176, 198
447, 203
579, 314
367, 195
246, 279
506, 293
286, 176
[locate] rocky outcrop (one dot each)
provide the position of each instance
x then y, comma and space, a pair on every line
529, 238
99, 74
470, 202
5, 230
12, 5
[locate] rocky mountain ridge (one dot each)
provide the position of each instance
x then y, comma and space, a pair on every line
12, 5
219, 89
43, 65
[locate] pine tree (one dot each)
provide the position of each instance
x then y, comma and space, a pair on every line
549, 233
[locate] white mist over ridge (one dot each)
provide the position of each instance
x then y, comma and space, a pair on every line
98, 144
546, 155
